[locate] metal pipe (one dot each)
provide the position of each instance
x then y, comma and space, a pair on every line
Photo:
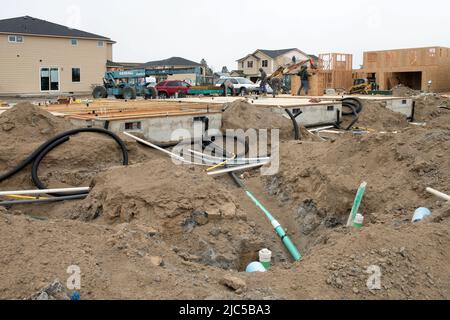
44, 191
54, 199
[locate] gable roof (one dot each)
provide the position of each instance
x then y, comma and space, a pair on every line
34, 26
174, 61
276, 53
272, 53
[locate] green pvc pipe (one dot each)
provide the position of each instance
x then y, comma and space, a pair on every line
276, 225
357, 203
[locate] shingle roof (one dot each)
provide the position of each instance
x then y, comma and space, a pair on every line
174, 61
276, 53
34, 26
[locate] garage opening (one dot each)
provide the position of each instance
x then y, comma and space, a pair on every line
412, 80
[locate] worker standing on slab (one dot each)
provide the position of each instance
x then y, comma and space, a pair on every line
276, 84
263, 81
304, 79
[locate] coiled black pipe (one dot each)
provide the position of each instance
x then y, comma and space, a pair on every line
36, 157
356, 107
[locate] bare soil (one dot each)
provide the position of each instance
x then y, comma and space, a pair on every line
154, 230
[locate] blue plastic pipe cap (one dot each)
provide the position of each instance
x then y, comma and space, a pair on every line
255, 267
421, 214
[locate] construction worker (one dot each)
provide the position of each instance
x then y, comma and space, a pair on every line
263, 83
276, 84
304, 79
228, 85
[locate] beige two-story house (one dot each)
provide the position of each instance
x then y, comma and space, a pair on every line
269, 60
41, 58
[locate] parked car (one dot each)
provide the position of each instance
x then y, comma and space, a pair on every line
269, 89
169, 88
241, 85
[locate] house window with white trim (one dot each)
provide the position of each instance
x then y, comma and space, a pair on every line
249, 64
265, 63
15, 39
100, 44
74, 42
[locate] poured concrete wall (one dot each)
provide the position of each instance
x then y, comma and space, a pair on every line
318, 114
403, 106
160, 129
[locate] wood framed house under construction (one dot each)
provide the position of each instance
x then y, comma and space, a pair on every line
334, 71
418, 68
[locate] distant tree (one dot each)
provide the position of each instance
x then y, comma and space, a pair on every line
204, 63
225, 69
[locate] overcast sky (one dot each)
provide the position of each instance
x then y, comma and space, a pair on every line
224, 31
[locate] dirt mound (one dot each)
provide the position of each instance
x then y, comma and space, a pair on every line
183, 203
26, 127
429, 109
403, 91
377, 117
27, 122
397, 168
244, 115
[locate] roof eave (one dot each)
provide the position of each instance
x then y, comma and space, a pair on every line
62, 37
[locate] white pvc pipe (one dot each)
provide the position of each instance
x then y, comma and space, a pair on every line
234, 169
46, 191
439, 194
231, 159
173, 155
321, 129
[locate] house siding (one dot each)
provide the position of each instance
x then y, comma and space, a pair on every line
20, 64
273, 64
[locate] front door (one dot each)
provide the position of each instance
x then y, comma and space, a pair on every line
49, 78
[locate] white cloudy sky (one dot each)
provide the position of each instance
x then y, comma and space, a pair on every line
224, 31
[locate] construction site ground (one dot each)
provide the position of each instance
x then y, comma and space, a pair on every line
154, 230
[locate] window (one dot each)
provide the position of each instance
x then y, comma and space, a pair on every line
133, 125
49, 79
249, 64
244, 81
76, 75
340, 58
265, 63
74, 42
15, 39
100, 44
234, 81
432, 52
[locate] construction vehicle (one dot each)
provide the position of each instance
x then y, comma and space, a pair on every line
125, 85
361, 86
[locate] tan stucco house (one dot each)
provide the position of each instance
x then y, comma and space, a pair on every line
38, 57
269, 60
